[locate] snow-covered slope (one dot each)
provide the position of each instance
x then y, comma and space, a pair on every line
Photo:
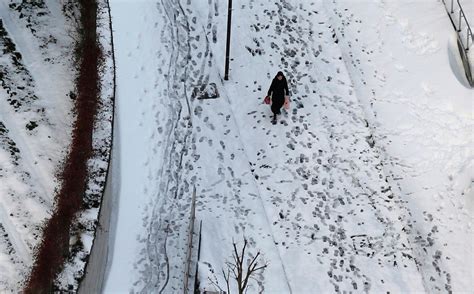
363, 185
36, 84
87, 224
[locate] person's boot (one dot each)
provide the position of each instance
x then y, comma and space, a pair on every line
274, 120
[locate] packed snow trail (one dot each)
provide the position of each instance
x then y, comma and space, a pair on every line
311, 193
166, 165
322, 177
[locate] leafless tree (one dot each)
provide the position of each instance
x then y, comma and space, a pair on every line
241, 269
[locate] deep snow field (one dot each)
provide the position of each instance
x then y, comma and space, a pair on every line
364, 185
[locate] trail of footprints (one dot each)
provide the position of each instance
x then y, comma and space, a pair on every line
188, 131
326, 169
335, 170
166, 216
427, 253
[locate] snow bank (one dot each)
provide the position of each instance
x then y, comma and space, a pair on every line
84, 229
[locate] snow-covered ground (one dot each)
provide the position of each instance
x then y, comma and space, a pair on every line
86, 226
421, 111
365, 184
36, 98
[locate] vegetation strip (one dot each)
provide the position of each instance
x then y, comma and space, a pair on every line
55, 242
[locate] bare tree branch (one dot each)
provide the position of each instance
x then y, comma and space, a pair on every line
241, 268
215, 283
227, 279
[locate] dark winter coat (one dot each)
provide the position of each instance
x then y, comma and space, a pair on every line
278, 90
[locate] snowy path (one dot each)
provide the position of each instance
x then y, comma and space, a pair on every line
323, 182
421, 122
313, 192
169, 190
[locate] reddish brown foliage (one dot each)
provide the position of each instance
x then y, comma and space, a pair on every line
55, 241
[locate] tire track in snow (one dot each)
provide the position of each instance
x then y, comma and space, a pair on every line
21, 251
20, 88
33, 137
28, 163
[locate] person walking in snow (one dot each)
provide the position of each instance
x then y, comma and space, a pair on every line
279, 92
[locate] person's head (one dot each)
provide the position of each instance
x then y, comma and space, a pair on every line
280, 76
